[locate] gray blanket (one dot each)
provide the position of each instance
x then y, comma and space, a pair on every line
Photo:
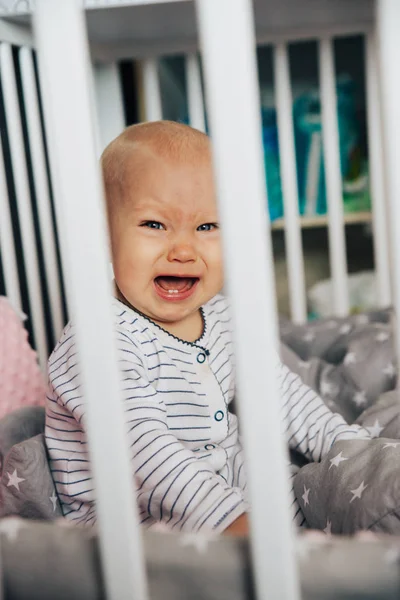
351, 364
26, 485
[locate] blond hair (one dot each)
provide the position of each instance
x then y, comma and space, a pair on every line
164, 139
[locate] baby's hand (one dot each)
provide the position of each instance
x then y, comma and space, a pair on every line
239, 527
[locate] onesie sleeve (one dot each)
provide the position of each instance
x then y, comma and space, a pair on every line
310, 427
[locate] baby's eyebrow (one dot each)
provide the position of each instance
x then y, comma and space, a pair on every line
154, 208
147, 206
148, 203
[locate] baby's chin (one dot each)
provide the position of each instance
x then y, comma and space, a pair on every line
162, 313
172, 315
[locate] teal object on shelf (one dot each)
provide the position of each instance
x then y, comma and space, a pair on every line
309, 144
309, 148
272, 163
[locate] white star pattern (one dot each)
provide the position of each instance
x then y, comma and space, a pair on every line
345, 329
389, 370
349, 359
53, 500
360, 399
14, 479
199, 541
382, 336
337, 460
375, 429
11, 527
358, 492
328, 528
328, 389
305, 496
391, 445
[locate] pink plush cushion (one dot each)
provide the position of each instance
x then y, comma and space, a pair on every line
21, 381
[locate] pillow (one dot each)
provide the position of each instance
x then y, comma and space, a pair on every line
355, 486
19, 426
21, 382
26, 485
384, 416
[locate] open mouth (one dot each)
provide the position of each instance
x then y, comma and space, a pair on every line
175, 288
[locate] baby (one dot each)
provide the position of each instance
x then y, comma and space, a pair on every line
175, 351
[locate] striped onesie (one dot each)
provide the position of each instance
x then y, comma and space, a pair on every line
184, 444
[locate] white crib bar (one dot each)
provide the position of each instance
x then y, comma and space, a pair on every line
287, 153
151, 90
41, 183
63, 68
194, 92
333, 179
377, 170
109, 102
7, 246
388, 27
25, 214
232, 89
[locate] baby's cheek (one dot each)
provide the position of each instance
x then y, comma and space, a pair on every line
125, 270
219, 263
221, 280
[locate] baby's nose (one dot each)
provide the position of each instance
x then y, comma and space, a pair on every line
182, 251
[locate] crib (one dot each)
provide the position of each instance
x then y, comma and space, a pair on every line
59, 77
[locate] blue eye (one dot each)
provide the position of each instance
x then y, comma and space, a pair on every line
207, 227
152, 225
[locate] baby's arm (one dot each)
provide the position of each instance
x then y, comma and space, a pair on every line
311, 428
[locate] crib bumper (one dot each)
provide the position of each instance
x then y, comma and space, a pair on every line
46, 561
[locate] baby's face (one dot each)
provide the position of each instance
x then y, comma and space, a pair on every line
166, 241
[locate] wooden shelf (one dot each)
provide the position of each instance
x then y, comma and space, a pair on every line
355, 218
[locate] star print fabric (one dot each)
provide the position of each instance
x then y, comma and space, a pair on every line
355, 487
26, 486
349, 362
